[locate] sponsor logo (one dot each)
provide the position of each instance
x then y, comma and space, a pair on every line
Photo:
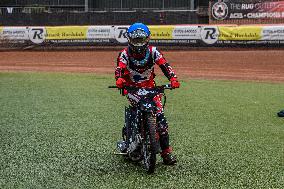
37, 35
209, 34
15, 33
66, 32
188, 32
219, 10
273, 33
161, 32
99, 32
240, 33
120, 34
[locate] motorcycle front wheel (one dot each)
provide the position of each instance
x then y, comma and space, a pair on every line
150, 143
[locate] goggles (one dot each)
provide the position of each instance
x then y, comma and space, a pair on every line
138, 38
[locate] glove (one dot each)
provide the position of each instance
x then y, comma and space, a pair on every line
120, 83
174, 83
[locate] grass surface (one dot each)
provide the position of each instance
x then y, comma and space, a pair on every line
59, 131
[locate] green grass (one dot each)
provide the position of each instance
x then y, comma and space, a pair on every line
59, 131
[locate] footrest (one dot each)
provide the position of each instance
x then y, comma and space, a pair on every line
119, 153
281, 113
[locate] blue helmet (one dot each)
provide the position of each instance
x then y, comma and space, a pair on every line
138, 35
139, 26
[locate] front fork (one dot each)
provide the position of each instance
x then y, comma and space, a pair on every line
134, 132
143, 126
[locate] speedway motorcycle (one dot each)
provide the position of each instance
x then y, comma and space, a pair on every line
140, 139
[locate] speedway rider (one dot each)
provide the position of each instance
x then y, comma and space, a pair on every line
135, 67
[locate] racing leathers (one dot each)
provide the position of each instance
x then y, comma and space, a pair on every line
138, 71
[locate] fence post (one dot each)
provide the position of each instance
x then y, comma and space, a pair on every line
86, 6
192, 5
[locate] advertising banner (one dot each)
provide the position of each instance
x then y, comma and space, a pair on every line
166, 35
180, 35
37, 35
242, 36
15, 33
237, 9
161, 32
66, 32
241, 33
209, 34
186, 32
100, 32
174, 35
72, 35
120, 34
272, 33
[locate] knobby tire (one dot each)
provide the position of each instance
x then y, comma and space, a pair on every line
150, 143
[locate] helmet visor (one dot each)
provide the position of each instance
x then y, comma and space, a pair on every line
137, 42
138, 38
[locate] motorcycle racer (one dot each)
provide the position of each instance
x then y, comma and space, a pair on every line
135, 67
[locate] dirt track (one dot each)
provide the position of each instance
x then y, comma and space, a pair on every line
260, 65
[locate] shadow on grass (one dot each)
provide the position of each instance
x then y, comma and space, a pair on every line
136, 167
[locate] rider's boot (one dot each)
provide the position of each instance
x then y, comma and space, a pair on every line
169, 159
166, 154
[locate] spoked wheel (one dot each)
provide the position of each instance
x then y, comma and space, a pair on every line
150, 144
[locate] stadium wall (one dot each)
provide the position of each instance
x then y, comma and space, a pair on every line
186, 36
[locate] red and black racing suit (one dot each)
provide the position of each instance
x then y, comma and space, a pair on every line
138, 75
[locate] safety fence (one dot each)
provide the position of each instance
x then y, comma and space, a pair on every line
105, 4
33, 17
161, 35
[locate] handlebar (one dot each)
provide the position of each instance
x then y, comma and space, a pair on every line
167, 86
159, 88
